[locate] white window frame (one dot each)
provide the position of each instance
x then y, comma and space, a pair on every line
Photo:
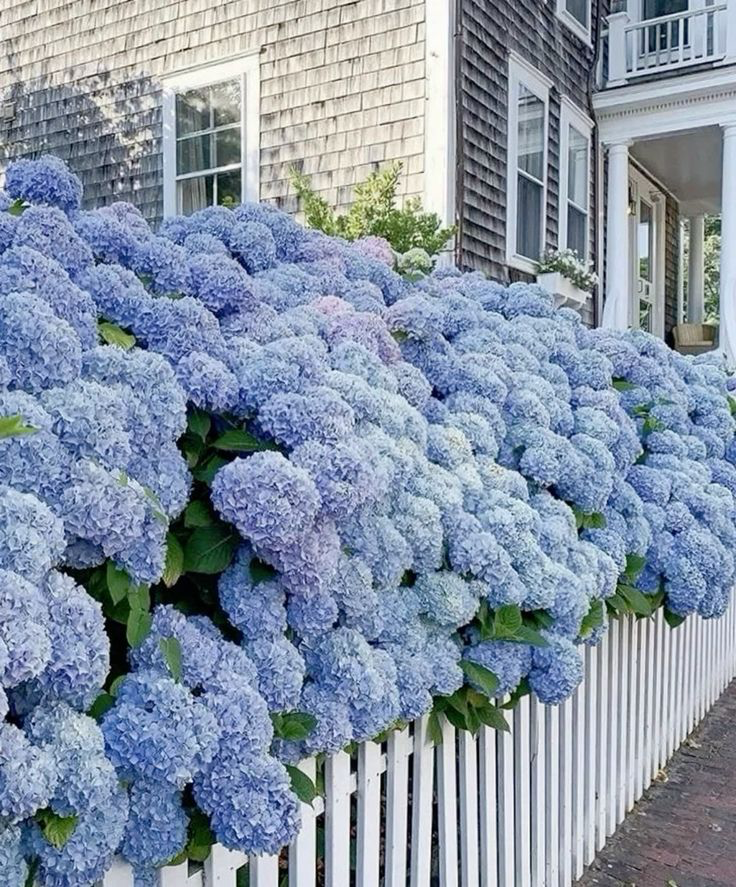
571, 115
521, 73
246, 67
570, 22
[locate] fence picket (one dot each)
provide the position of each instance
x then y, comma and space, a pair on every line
542, 803
397, 807
447, 806
369, 814
578, 777
555, 779
469, 810
337, 820
488, 806
264, 872
608, 802
522, 793
303, 851
422, 785
591, 749
505, 796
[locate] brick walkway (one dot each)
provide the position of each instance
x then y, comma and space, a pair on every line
683, 831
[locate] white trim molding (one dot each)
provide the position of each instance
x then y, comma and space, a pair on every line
645, 110
573, 116
581, 31
522, 73
440, 111
245, 66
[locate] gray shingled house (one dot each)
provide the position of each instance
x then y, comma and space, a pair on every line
532, 124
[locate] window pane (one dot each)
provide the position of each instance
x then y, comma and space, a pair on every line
529, 219
193, 154
578, 9
192, 111
531, 133
229, 188
195, 193
577, 234
645, 234
227, 147
577, 177
225, 99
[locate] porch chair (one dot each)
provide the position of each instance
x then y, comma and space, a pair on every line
695, 338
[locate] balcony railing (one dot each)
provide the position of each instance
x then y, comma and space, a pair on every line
682, 40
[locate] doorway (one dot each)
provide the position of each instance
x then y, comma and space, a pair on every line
646, 248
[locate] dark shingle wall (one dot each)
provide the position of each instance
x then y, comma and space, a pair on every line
490, 29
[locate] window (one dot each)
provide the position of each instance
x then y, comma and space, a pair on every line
575, 140
576, 15
211, 136
527, 164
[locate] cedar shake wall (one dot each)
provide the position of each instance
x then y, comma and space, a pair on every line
342, 87
490, 29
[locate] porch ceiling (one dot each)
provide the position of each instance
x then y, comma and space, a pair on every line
688, 164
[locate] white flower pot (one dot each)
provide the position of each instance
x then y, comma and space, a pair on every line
564, 290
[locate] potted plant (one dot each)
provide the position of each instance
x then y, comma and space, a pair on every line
566, 276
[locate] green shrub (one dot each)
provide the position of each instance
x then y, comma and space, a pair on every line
374, 212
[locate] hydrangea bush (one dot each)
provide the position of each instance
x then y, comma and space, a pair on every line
262, 498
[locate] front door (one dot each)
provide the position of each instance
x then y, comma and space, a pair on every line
645, 206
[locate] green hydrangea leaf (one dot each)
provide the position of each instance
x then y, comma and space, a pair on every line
301, 784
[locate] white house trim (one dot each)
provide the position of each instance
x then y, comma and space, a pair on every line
521, 72
572, 115
246, 66
569, 20
439, 110
679, 103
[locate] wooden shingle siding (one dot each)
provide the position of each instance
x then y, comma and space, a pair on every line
342, 87
671, 265
490, 30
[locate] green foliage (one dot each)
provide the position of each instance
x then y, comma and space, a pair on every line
508, 623
480, 676
238, 441
174, 565
673, 619
200, 839
17, 207
112, 334
301, 784
593, 619
210, 549
466, 709
588, 521
56, 829
171, 651
374, 212
14, 426
101, 706
293, 725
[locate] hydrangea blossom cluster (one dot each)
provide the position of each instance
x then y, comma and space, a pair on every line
430, 447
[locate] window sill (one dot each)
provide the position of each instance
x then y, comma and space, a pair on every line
521, 263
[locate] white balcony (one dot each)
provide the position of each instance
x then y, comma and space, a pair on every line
702, 35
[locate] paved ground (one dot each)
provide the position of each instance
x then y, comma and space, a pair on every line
683, 831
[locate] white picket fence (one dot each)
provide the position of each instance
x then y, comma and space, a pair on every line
528, 808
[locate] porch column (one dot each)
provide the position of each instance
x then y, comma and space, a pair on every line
618, 272
728, 245
696, 271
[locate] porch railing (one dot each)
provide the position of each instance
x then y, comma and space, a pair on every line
680, 40
530, 807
